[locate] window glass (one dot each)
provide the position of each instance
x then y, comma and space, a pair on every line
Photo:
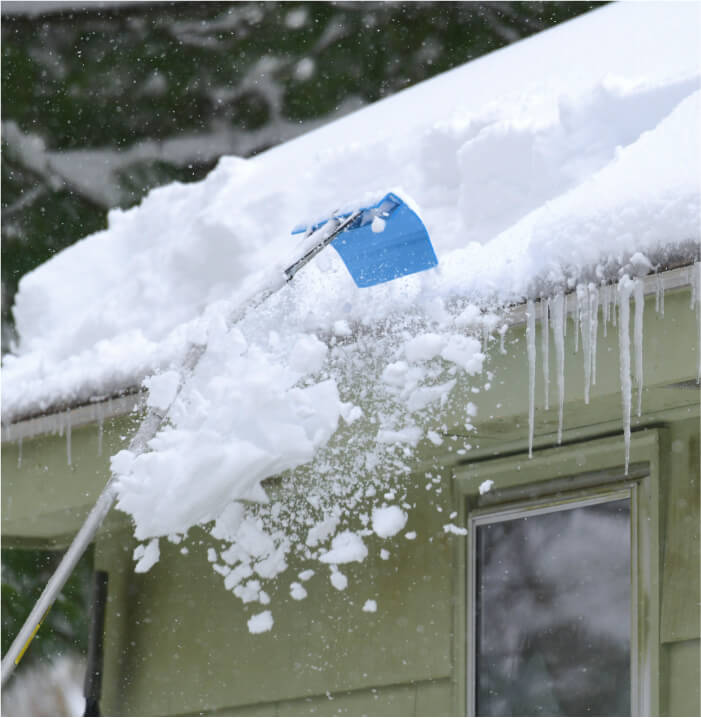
553, 612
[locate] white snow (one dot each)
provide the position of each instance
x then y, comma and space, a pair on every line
453, 529
261, 622
338, 580
162, 389
146, 555
486, 486
370, 606
345, 547
538, 169
297, 591
388, 521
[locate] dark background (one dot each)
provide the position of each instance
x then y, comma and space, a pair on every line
104, 101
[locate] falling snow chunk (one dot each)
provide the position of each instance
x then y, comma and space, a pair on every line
435, 438
146, 555
486, 486
370, 606
297, 591
338, 580
453, 529
345, 547
388, 521
410, 535
261, 622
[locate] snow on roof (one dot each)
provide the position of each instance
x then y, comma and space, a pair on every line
515, 160
563, 158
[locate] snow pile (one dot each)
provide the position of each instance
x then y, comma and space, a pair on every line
530, 184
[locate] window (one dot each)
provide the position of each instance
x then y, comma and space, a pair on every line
558, 580
552, 598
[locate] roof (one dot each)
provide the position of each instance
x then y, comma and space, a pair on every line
532, 165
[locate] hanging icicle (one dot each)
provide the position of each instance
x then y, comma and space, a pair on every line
625, 288
19, 453
585, 330
692, 275
638, 340
530, 345
69, 447
558, 309
100, 428
593, 326
605, 306
697, 269
659, 295
545, 345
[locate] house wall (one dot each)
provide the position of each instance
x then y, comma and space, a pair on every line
177, 642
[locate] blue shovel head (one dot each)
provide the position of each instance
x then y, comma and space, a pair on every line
388, 240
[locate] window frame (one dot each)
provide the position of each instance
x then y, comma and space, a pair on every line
581, 472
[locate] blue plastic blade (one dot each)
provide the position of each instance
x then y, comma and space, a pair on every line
387, 241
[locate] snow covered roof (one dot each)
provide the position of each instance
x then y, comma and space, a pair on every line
552, 160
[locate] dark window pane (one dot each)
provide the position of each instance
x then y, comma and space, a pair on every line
553, 613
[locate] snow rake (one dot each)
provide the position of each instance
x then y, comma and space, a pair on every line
377, 244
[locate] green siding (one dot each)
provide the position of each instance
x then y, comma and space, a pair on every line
181, 642
680, 680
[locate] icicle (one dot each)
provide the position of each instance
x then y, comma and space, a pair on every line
692, 274
576, 319
19, 453
545, 337
564, 315
593, 326
697, 267
502, 334
558, 321
530, 345
657, 293
585, 329
638, 340
100, 428
605, 309
625, 287
68, 438
615, 305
